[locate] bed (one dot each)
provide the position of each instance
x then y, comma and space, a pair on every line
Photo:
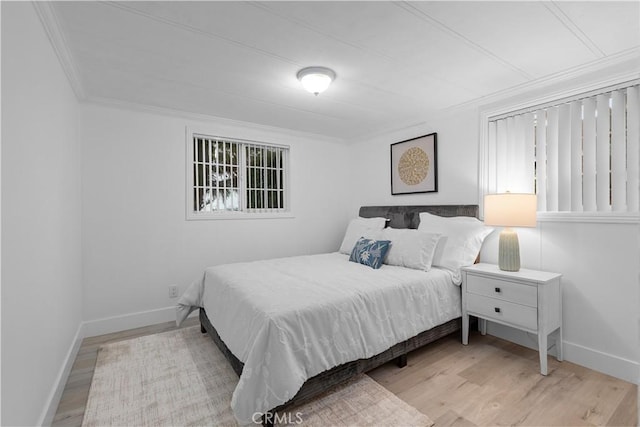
292, 328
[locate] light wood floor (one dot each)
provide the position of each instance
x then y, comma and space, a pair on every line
489, 382
76, 392
494, 382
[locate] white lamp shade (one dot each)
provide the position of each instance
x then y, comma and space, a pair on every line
316, 79
510, 209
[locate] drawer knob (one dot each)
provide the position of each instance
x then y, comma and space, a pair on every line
498, 290
497, 309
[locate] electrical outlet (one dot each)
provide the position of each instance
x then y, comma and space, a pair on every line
173, 291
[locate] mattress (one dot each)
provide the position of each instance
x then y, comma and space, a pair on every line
290, 319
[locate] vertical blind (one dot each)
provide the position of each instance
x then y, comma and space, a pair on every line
581, 155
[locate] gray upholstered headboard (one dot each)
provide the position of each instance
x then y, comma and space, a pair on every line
409, 216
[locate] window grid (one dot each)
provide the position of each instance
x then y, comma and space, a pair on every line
237, 176
265, 178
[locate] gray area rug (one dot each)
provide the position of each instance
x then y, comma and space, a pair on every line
180, 378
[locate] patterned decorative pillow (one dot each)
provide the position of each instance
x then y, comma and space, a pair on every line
370, 252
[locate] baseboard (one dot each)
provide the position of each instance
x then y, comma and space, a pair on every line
606, 363
609, 364
49, 412
93, 328
123, 322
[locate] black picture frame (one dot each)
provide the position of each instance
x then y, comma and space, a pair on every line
414, 165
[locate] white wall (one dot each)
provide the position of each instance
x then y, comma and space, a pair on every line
0, 224
599, 262
102, 243
370, 165
600, 268
41, 253
136, 240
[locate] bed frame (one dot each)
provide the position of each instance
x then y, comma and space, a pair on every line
398, 217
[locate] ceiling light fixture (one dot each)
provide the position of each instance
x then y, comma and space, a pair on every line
316, 79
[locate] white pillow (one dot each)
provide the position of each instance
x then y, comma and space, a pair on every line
359, 227
410, 248
461, 241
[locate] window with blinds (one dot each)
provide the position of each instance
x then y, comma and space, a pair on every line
578, 155
228, 175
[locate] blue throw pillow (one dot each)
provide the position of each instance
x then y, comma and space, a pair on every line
370, 252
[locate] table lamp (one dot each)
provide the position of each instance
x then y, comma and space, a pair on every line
510, 210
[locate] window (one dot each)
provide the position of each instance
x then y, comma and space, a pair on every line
579, 155
229, 178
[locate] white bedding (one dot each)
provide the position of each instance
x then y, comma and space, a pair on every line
289, 319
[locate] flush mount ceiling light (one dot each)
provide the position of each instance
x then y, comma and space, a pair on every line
316, 79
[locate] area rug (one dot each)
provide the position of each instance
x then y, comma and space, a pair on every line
180, 378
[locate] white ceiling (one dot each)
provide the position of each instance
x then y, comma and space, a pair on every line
396, 62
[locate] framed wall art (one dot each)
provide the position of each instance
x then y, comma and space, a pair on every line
414, 165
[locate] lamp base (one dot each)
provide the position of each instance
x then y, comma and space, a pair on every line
509, 251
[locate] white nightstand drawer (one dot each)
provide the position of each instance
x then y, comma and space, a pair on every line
508, 291
527, 299
503, 311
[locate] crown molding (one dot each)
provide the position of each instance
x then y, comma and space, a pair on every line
171, 112
490, 104
414, 128
563, 77
49, 19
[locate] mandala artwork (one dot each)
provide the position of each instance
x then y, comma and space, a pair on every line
413, 166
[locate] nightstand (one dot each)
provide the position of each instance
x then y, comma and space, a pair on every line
529, 300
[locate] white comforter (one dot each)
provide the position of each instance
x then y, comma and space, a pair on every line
289, 319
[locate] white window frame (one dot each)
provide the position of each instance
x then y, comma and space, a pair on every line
486, 177
243, 213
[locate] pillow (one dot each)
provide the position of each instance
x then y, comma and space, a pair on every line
461, 241
410, 248
357, 228
370, 252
